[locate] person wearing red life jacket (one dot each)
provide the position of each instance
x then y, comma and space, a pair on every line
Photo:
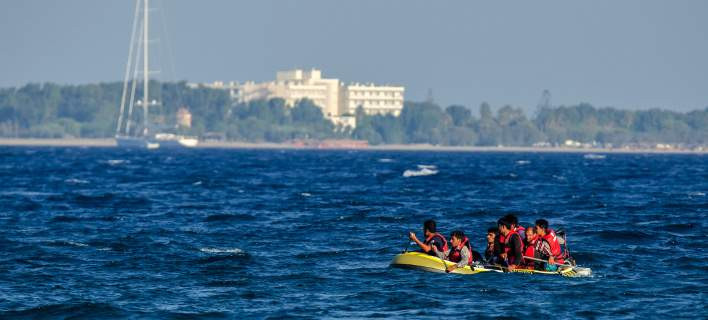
432, 238
513, 245
460, 252
553, 249
515, 227
530, 248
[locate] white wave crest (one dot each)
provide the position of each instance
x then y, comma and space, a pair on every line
305, 194
594, 156
225, 250
419, 173
72, 243
523, 162
115, 162
75, 181
78, 244
385, 160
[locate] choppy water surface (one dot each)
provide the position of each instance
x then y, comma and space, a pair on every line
239, 233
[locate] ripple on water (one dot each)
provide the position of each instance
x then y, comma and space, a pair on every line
237, 217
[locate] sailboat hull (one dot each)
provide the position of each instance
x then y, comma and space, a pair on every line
179, 143
168, 140
135, 143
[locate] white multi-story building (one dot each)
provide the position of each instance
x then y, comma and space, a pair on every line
372, 98
338, 101
294, 85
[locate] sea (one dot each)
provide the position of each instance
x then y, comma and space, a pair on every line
105, 233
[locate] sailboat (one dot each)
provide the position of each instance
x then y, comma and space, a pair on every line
128, 133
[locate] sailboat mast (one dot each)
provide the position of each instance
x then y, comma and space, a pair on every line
146, 71
128, 66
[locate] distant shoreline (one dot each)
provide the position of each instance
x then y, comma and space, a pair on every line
31, 142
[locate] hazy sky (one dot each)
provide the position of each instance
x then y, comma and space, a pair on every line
628, 54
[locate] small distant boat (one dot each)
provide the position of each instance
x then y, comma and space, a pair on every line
422, 261
169, 140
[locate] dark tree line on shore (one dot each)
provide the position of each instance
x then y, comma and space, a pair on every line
90, 111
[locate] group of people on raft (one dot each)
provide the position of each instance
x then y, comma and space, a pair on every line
509, 245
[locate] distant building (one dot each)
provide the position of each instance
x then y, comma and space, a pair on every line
338, 101
184, 118
572, 144
372, 98
231, 86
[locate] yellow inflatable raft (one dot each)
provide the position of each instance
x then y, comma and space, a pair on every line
422, 261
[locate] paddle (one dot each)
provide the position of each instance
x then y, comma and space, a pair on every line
546, 261
495, 268
581, 271
444, 265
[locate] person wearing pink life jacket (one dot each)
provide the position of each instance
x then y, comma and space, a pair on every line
513, 245
549, 250
460, 252
432, 238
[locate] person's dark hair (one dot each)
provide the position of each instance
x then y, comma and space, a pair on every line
533, 230
493, 230
513, 220
429, 225
542, 223
458, 234
504, 222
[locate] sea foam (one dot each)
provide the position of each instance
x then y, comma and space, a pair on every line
225, 250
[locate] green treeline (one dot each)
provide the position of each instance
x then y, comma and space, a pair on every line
90, 111
509, 126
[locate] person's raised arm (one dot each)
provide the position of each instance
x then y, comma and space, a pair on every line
425, 247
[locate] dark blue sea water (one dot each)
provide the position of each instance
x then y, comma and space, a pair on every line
108, 233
